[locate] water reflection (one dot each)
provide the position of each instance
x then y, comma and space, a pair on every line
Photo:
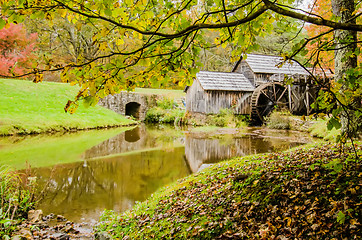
129, 166
80, 193
201, 150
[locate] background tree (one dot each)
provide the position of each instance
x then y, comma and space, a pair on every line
62, 42
16, 50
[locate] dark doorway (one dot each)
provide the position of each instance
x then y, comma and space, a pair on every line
133, 109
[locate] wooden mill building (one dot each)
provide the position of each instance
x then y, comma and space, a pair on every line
257, 85
213, 91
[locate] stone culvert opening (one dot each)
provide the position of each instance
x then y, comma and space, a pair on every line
133, 109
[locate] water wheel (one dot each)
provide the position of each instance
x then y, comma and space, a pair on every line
266, 98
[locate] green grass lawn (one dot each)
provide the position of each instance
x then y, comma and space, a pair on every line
27, 108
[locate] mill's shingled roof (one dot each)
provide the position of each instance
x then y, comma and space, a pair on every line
269, 64
224, 81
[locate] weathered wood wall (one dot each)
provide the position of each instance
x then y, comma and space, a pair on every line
201, 101
245, 69
195, 98
239, 102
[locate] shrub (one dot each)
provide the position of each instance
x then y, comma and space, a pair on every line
278, 120
16, 200
166, 103
226, 118
222, 119
165, 112
154, 115
159, 115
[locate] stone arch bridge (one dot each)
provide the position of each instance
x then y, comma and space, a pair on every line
130, 103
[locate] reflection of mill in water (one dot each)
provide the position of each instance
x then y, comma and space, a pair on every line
201, 152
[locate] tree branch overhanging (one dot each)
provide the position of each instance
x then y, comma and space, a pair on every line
314, 20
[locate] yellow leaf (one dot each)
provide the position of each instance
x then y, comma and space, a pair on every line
48, 16
103, 46
64, 75
95, 38
353, 221
289, 221
38, 78
120, 41
62, 12
93, 64
69, 17
104, 31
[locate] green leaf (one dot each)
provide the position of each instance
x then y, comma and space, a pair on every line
108, 12
333, 123
2, 23
341, 217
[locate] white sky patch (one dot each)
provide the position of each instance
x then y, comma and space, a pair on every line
305, 4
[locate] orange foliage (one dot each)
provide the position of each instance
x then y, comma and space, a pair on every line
322, 50
322, 8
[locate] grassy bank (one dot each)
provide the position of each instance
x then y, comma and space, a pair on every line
16, 201
28, 108
316, 127
307, 193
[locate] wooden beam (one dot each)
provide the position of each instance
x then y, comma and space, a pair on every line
307, 95
290, 97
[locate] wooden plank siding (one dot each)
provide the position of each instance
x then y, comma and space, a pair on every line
238, 102
201, 101
195, 98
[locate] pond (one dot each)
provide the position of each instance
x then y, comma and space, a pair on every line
81, 174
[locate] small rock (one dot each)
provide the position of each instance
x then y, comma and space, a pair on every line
102, 236
23, 233
61, 218
59, 236
70, 229
18, 237
58, 227
35, 215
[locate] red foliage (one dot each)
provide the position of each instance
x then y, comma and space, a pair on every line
16, 49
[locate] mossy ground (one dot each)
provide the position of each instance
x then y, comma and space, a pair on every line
308, 193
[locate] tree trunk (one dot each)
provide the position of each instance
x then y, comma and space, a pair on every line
345, 42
